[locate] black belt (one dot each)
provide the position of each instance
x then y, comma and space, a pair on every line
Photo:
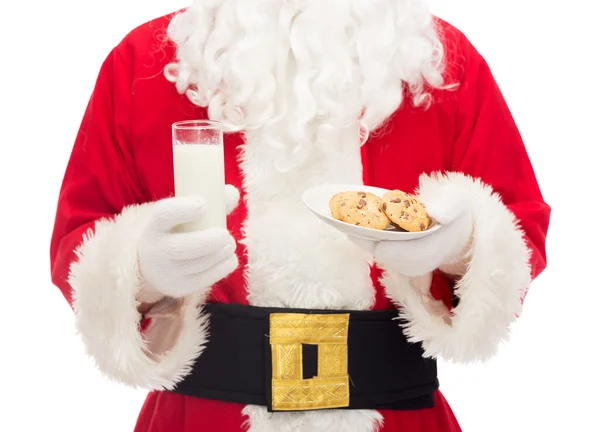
298, 359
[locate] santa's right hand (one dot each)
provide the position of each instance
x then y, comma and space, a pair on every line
177, 264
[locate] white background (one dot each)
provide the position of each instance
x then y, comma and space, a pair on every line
544, 55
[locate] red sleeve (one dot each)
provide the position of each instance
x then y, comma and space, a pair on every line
102, 214
489, 146
100, 176
510, 220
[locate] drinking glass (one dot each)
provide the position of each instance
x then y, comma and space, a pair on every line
199, 169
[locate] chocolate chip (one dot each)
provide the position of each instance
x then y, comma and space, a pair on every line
362, 194
361, 204
384, 205
407, 203
395, 200
422, 226
416, 211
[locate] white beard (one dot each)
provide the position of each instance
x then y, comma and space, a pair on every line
303, 70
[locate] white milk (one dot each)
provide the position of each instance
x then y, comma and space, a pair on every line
200, 170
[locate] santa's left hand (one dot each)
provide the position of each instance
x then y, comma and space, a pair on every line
448, 206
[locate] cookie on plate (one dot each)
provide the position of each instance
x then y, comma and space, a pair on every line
359, 208
406, 211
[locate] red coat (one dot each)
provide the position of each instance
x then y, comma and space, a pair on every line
122, 160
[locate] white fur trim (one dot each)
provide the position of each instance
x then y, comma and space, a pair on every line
105, 283
259, 420
490, 292
294, 259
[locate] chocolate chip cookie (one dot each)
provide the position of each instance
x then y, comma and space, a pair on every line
359, 208
406, 211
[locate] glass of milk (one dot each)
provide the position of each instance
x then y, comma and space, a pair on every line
199, 169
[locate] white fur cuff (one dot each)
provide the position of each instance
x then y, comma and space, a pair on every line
490, 292
106, 283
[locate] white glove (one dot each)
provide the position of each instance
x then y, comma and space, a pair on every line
448, 206
177, 264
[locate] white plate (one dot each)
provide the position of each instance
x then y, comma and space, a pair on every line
317, 200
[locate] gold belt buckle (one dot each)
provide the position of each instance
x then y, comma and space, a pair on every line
330, 388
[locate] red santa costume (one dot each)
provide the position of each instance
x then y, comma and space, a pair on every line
292, 81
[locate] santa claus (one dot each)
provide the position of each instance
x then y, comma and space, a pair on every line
281, 322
